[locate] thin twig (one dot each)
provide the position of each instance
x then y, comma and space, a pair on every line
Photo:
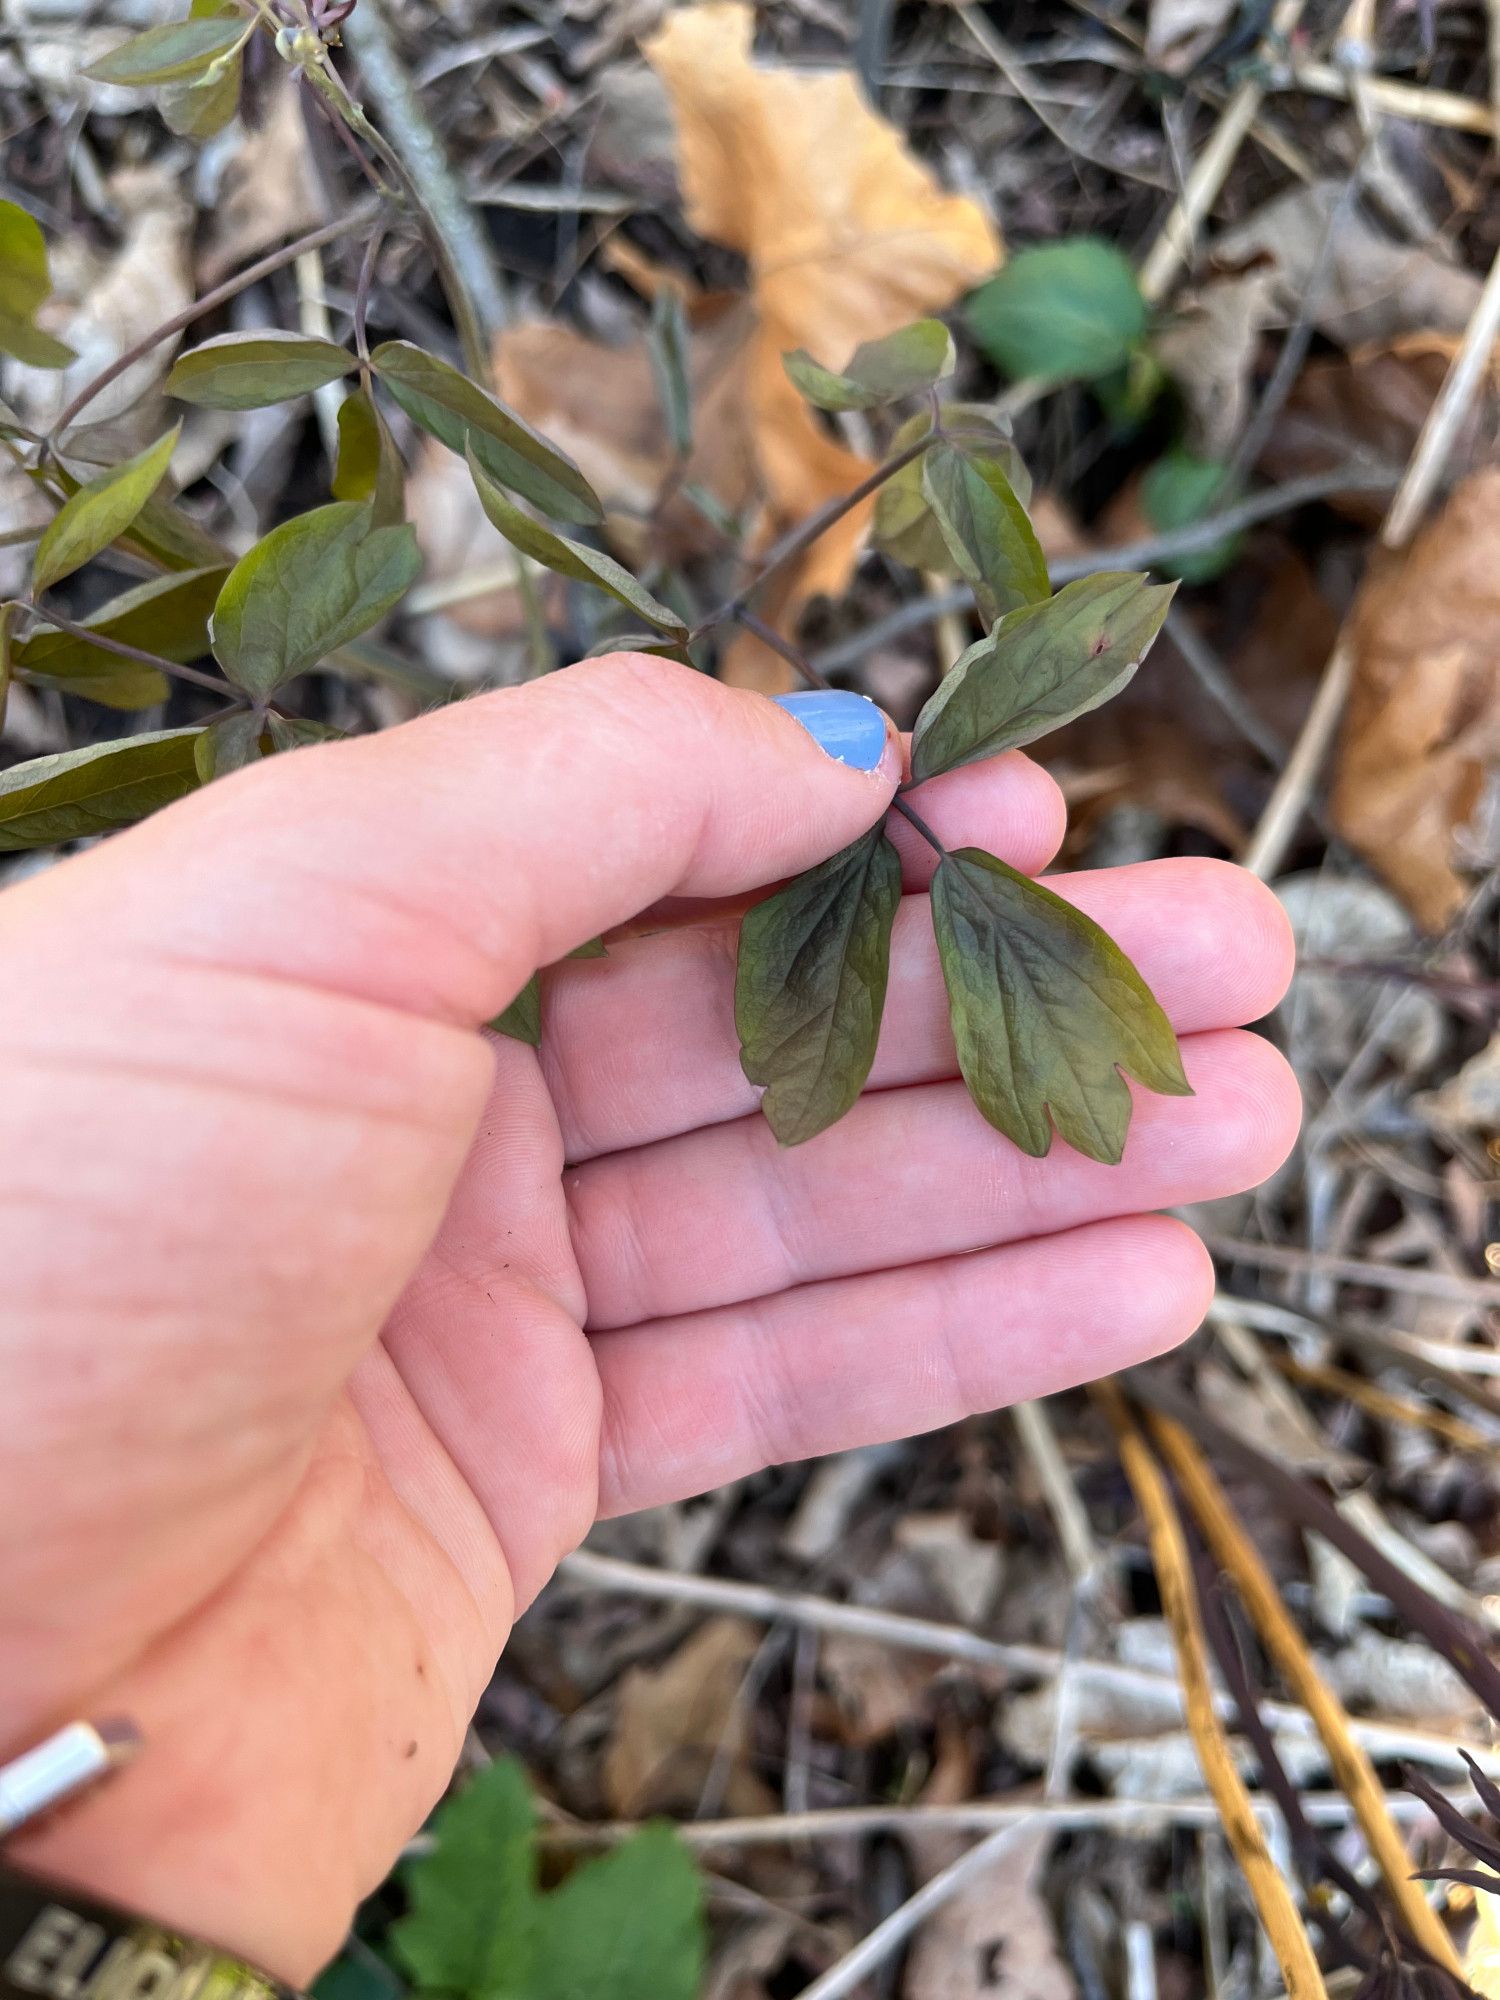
1123, 1816
1174, 245
210, 302
1277, 827
47, 615
1389, 94
956, 1642
1357, 1270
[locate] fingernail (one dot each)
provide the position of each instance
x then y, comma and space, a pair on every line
848, 726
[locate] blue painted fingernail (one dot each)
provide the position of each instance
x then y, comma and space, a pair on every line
848, 726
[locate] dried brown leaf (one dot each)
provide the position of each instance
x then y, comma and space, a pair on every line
1421, 736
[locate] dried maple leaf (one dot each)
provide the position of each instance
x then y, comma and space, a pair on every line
1421, 735
848, 237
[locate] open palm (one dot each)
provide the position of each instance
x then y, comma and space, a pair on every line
332, 1324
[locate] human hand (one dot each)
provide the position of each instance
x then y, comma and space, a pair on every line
333, 1323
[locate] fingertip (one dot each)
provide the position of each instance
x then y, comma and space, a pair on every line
1007, 805
1247, 928
1178, 1278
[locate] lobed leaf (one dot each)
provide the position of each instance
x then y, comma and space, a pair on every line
569, 558
1061, 312
1040, 667
628, 1925
369, 466
810, 986
306, 589
450, 408
83, 792
987, 530
174, 53
472, 1923
248, 371
99, 512
901, 364
1046, 1010
25, 284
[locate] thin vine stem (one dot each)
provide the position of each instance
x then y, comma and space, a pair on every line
805, 533
914, 818
125, 652
769, 636
275, 260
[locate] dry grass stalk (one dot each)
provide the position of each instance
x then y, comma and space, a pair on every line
1247, 1840
1241, 1562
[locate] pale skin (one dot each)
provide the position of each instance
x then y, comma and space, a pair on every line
332, 1322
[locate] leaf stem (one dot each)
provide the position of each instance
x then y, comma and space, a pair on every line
805, 533
769, 636
220, 295
109, 645
909, 813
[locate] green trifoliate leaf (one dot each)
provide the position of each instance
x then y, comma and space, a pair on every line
988, 533
1046, 1010
100, 512
306, 589
882, 371
522, 1019
450, 407
569, 558
1040, 667
669, 364
91, 791
628, 1925
810, 987
1179, 489
904, 526
167, 616
177, 52
471, 1929
25, 284
247, 371
1064, 312
228, 745
369, 466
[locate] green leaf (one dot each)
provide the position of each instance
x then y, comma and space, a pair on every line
204, 105
668, 348
162, 532
1064, 312
1046, 1010
84, 792
174, 53
306, 589
903, 525
628, 1925
100, 512
522, 1019
247, 371
471, 1930
881, 371
568, 558
300, 732
168, 616
450, 407
987, 530
1040, 667
810, 986
1178, 490
228, 745
369, 466
25, 284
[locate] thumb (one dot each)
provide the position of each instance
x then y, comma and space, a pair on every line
435, 866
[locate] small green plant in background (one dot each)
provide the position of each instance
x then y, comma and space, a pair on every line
624, 1925
1048, 1014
